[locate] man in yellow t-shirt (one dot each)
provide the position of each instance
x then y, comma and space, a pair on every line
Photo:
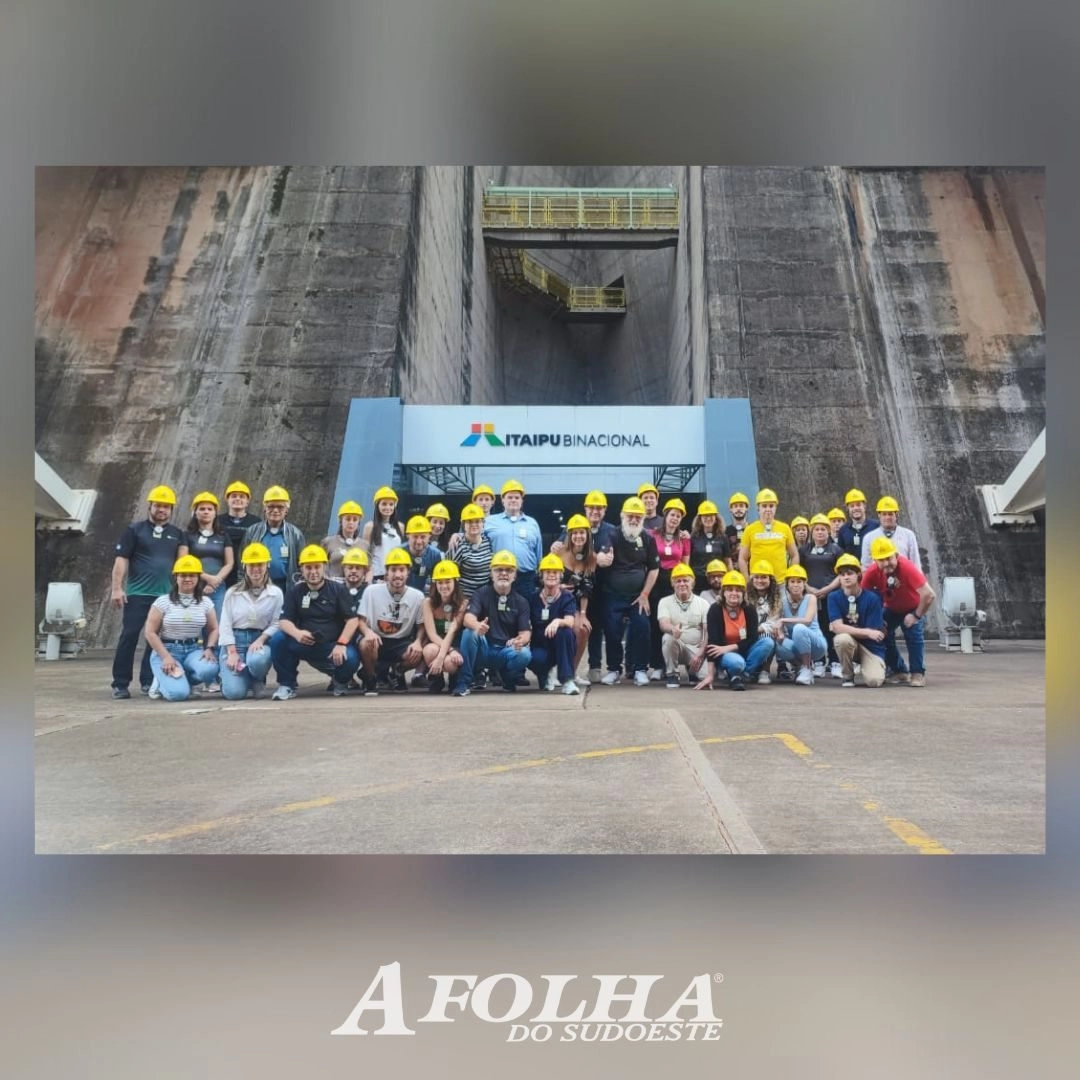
768, 538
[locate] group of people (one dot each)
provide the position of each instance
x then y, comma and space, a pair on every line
234, 594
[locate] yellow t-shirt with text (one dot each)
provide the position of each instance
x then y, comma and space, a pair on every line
771, 546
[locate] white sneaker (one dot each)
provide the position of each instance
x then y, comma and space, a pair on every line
642, 678
570, 687
552, 682
836, 671
763, 678
858, 669
284, 693
654, 675
155, 691
594, 675
581, 680
214, 687
805, 677
611, 678
819, 669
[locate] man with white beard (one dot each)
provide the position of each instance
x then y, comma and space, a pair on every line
631, 577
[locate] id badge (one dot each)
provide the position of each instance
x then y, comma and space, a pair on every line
305, 603
708, 549
667, 549
544, 615
637, 542
523, 533
742, 633
502, 603
284, 552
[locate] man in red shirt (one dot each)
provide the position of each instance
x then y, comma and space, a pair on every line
906, 597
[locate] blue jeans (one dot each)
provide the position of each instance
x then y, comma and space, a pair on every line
135, 611
195, 669
913, 638
761, 652
620, 610
525, 583
478, 654
287, 653
553, 652
804, 640
235, 684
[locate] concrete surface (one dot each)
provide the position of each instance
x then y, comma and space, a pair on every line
958, 766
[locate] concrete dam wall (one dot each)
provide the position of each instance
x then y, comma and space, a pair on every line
195, 325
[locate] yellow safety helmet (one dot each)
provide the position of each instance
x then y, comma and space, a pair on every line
847, 560
707, 507
472, 512
681, 570
445, 570
881, 547
633, 505
162, 494
596, 498
206, 497
766, 495
238, 486
276, 493
648, 487
577, 521
733, 580
551, 562
350, 507
854, 495
483, 489
255, 553
799, 520
398, 557
417, 524
836, 514
888, 504
512, 485
675, 504
385, 493
795, 571
738, 497
762, 566
355, 556
504, 558
716, 566
437, 510
313, 553
819, 519
187, 564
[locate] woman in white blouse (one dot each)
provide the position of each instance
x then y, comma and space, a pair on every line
249, 618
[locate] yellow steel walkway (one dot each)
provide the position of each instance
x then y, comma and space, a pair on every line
521, 272
580, 208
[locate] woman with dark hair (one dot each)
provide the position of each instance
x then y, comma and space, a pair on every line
208, 541
708, 541
439, 518
249, 619
384, 532
763, 594
348, 536
182, 631
673, 547
443, 613
579, 579
735, 647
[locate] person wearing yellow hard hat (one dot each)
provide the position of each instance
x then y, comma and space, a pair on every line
859, 524
235, 519
714, 575
497, 631
649, 494
207, 540
347, 537
708, 541
682, 617
484, 497
739, 506
384, 532
836, 517
513, 530
857, 621
142, 571
249, 620
763, 591
443, 616
182, 631
580, 578
906, 597
439, 516
819, 557
803, 643
553, 612
904, 540
767, 539
317, 626
800, 529
422, 551
391, 626
673, 548
281, 538
473, 554
736, 650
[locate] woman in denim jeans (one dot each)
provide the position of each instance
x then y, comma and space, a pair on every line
182, 631
803, 643
249, 618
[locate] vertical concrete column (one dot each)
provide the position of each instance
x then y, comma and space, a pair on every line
369, 453
730, 455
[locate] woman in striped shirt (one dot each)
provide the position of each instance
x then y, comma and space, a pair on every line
473, 554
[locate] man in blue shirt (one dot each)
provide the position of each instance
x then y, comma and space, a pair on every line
857, 621
853, 532
514, 531
422, 551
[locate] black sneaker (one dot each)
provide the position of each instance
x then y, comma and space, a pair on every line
736, 682
396, 680
436, 684
371, 686
120, 692
420, 682
479, 683
145, 689
671, 680
339, 689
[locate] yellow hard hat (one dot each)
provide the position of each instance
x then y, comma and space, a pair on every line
596, 498
799, 520
854, 495
675, 504
445, 570
819, 519
681, 570
882, 548
648, 487
836, 514
633, 505
437, 510
738, 497
398, 557
795, 571
255, 553
551, 562
275, 493
417, 524
577, 521
350, 507
766, 495
733, 579
162, 494
187, 564
385, 493
762, 566
238, 486
847, 560
205, 497
355, 556
472, 512
512, 485
504, 558
483, 489
707, 507
888, 504
313, 554
716, 566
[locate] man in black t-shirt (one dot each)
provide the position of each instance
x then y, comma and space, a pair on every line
317, 625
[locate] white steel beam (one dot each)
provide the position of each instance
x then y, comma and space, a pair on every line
1012, 502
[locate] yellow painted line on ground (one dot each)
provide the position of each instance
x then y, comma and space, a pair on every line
914, 837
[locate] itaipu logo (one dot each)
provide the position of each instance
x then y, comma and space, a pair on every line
565, 439
563, 1008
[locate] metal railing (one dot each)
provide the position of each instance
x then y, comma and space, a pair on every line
580, 208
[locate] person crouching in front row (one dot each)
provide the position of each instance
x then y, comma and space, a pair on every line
735, 646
